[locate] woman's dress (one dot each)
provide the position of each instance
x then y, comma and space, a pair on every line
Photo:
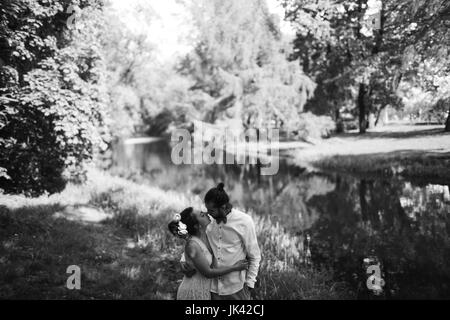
197, 287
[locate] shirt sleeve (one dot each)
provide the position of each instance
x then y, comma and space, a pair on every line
253, 252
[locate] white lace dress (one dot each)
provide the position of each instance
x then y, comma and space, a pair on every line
197, 287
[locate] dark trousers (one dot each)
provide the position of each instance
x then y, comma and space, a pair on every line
244, 294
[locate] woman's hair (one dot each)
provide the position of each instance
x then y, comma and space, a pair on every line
217, 195
189, 219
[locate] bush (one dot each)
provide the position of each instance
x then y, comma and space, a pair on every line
52, 112
310, 126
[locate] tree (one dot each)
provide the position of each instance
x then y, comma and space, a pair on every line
146, 93
125, 54
424, 49
370, 41
52, 105
342, 35
447, 123
240, 69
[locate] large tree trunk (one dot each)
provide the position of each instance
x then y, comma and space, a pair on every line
362, 108
447, 124
379, 114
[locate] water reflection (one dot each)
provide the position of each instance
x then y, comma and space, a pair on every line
403, 226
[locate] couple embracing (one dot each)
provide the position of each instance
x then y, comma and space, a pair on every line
221, 258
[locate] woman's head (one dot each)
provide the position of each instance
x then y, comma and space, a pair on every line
190, 220
217, 201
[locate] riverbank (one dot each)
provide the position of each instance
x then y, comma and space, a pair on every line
410, 151
115, 231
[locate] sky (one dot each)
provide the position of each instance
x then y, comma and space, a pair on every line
172, 25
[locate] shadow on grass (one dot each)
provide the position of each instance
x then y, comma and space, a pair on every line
396, 134
37, 248
131, 254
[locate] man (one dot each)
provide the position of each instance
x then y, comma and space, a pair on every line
232, 237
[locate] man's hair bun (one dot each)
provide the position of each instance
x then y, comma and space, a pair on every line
217, 196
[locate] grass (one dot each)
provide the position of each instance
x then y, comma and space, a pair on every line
128, 254
408, 151
413, 165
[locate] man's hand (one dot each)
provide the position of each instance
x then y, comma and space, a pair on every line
187, 270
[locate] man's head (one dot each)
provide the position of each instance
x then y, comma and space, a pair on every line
217, 202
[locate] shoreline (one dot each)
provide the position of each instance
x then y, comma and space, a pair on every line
420, 153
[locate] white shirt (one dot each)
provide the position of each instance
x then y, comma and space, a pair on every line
231, 242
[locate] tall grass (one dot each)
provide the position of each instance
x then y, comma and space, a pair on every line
286, 272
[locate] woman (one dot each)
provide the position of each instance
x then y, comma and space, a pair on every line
191, 225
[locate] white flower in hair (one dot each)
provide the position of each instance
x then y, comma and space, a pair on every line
182, 229
177, 217
182, 226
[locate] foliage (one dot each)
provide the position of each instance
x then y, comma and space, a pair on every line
143, 89
353, 60
240, 69
52, 104
313, 127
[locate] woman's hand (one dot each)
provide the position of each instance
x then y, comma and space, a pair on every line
241, 265
187, 270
